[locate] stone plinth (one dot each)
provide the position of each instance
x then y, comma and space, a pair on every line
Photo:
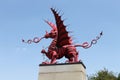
62, 71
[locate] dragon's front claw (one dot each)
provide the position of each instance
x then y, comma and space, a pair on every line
43, 51
46, 62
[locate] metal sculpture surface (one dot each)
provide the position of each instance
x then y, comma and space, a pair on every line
61, 45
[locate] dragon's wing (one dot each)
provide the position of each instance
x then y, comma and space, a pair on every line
63, 37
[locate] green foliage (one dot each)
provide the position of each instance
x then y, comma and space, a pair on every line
118, 77
104, 75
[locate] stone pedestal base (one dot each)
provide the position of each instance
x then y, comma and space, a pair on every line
62, 71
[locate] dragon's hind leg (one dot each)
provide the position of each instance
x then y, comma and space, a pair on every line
72, 54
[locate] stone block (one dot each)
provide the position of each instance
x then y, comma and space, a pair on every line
62, 71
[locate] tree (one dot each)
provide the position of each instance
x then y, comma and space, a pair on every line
118, 77
104, 75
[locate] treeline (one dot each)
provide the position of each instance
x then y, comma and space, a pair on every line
104, 75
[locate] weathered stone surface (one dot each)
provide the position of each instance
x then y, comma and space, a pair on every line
66, 71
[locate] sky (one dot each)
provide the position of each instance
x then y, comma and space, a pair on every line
24, 19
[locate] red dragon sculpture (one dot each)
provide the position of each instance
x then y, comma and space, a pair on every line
62, 43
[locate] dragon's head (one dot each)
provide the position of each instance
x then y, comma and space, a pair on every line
53, 32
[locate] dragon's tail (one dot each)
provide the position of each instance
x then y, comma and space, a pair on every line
86, 45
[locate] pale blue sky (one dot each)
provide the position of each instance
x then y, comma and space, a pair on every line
24, 19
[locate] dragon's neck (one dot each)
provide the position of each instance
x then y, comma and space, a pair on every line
53, 44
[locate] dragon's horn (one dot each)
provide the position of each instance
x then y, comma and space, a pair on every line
53, 26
